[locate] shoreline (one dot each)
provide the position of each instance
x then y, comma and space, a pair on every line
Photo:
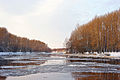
101, 56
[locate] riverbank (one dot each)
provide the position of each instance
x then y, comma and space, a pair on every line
107, 55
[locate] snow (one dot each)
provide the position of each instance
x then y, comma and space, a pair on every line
116, 54
112, 54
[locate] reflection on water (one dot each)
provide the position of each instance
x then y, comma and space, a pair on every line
81, 68
95, 76
2, 78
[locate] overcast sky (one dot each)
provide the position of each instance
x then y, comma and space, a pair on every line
50, 21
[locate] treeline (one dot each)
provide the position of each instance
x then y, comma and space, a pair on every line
59, 49
13, 43
102, 34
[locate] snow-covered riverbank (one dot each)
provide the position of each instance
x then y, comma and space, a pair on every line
95, 54
100, 55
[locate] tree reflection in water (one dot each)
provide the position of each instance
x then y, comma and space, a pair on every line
2, 78
95, 76
100, 64
81, 68
16, 65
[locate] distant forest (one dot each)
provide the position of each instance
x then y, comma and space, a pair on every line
102, 34
13, 43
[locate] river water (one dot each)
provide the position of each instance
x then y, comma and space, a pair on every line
56, 66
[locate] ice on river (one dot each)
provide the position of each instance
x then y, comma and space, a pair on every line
21, 64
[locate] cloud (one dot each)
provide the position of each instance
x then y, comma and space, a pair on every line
50, 20
36, 24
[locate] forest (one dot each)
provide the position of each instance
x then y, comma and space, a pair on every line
101, 34
13, 43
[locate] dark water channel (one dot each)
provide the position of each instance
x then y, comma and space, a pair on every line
51, 66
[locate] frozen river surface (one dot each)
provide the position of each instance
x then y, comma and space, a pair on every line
55, 66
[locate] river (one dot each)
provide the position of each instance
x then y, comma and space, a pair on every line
56, 66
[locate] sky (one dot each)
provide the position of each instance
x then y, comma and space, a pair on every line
51, 21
